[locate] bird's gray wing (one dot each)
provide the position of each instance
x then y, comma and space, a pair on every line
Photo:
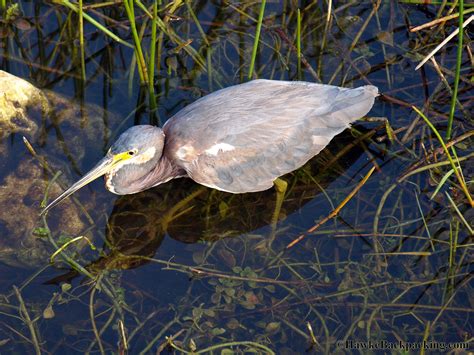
240, 139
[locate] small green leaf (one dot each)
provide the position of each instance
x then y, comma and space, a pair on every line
390, 133
441, 183
272, 327
216, 298
40, 232
227, 299
233, 324
237, 269
197, 313
223, 209
217, 331
230, 292
209, 313
247, 305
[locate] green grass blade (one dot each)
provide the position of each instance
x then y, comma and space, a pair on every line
166, 29
81, 41
151, 63
458, 71
129, 8
257, 38
196, 22
441, 183
99, 26
298, 43
461, 217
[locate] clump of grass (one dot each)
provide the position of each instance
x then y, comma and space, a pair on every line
456, 169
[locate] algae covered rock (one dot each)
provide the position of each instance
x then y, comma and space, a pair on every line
19, 101
20, 193
61, 130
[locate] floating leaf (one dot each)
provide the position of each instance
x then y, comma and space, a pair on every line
237, 269
22, 24
230, 292
251, 297
385, 37
227, 257
227, 299
363, 65
197, 313
198, 257
209, 313
223, 209
216, 298
272, 327
233, 324
217, 331
247, 305
48, 312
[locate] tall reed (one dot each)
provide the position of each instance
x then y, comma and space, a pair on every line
257, 38
458, 71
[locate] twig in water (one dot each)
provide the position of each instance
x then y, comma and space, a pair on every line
446, 40
439, 20
26, 318
335, 212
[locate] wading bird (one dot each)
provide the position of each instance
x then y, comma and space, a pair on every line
238, 139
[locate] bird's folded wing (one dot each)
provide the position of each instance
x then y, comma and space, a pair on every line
242, 138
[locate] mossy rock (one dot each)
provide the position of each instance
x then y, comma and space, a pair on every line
19, 101
29, 111
22, 244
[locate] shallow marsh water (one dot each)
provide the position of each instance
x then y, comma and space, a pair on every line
200, 265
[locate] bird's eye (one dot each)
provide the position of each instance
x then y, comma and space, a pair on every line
131, 152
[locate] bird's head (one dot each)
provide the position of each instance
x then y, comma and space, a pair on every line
127, 163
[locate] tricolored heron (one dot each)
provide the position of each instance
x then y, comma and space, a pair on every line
238, 139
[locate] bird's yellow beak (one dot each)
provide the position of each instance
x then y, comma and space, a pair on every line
103, 167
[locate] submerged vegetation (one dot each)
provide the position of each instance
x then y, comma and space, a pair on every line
375, 234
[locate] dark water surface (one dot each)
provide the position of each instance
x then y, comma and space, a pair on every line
208, 270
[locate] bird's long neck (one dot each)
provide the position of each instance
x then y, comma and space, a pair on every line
164, 171
142, 177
